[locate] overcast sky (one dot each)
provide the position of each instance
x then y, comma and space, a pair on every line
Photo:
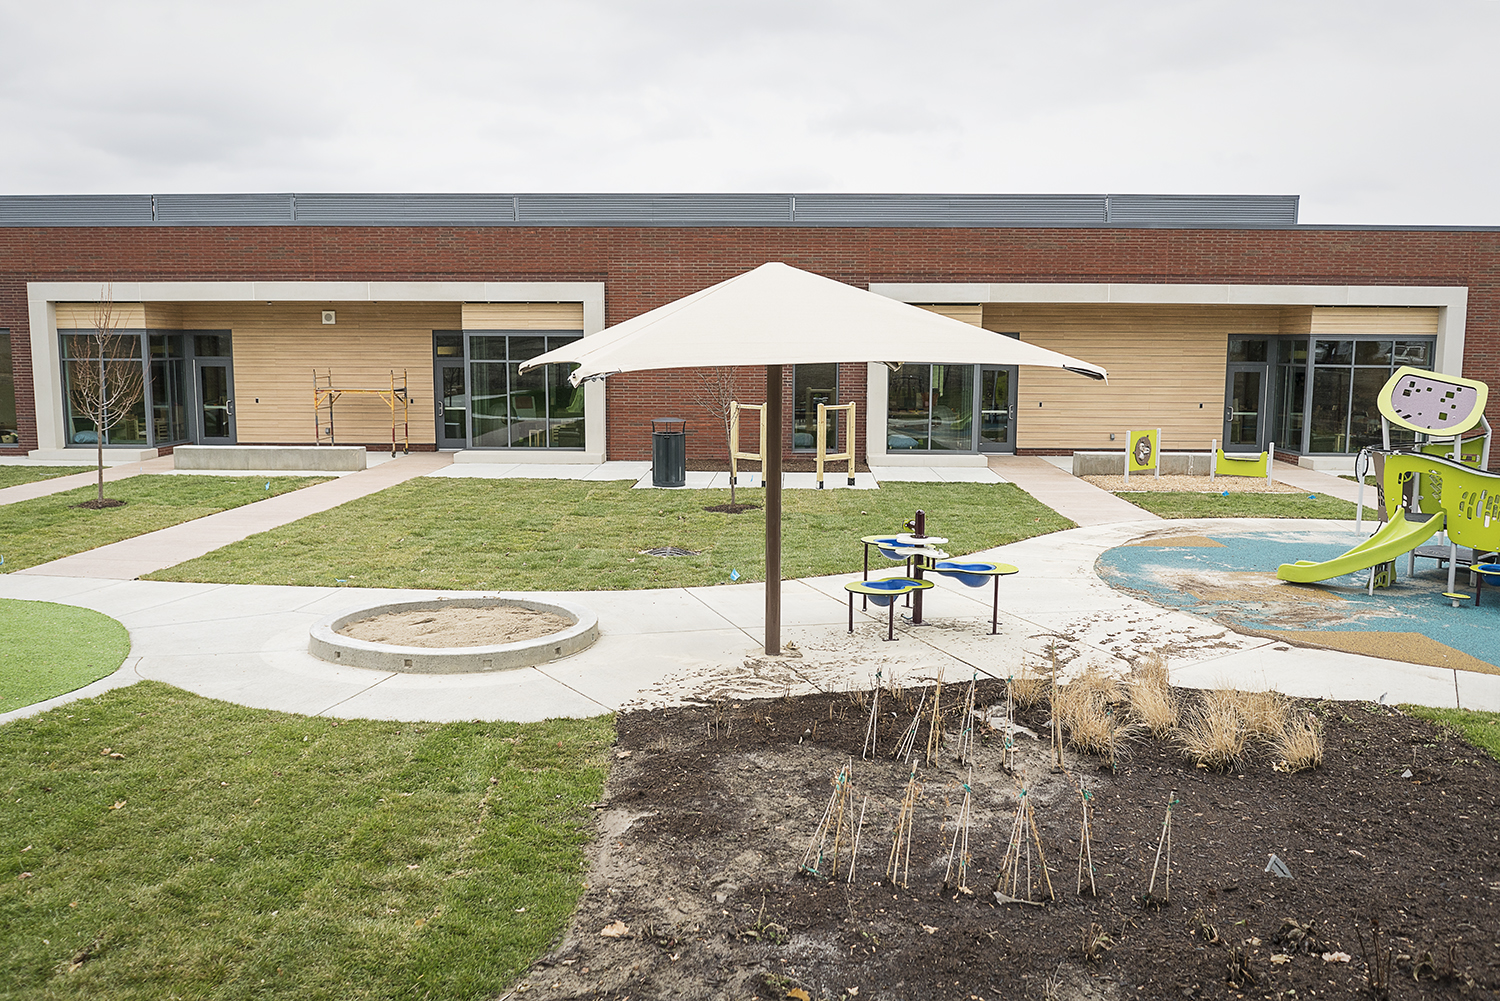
1372, 111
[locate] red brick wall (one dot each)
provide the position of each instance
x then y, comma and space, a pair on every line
644, 267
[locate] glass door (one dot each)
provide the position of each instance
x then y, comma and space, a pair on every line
997, 408
452, 404
1245, 407
214, 381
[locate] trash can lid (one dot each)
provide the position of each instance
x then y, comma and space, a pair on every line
668, 421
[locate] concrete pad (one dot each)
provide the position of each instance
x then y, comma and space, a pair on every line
745, 605
524, 696
1318, 674
342, 458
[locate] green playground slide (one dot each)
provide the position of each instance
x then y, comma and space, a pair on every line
1395, 537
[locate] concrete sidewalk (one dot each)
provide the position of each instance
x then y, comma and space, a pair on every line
145, 554
1075, 499
248, 644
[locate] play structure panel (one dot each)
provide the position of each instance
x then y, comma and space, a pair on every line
1430, 403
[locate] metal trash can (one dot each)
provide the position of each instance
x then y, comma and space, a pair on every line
668, 452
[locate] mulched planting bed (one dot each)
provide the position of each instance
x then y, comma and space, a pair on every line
695, 891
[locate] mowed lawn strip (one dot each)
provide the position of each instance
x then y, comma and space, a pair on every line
1482, 729
11, 476
48, 649
48, 528
159, 844
1242, 505
578, 535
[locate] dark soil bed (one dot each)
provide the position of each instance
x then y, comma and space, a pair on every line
695, 891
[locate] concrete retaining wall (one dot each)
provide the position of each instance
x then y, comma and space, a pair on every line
325, 458
1113, 464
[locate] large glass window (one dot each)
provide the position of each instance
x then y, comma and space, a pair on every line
8, 432
511, 409
930, 408
81, 363
165, 359
170, 398
1335, 382
812, 385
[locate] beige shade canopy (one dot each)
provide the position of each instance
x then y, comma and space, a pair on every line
779, 315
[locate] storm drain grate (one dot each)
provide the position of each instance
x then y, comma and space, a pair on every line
668, 551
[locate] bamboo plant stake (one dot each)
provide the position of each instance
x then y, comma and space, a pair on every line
1164, 841
858, 833
1008, 753
899, 863
872, 727
909, 738
967, 728
935, 727
832, 825
1058, 765
1019, 854
958, 851
1086, 845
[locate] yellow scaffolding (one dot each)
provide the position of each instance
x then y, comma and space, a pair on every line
325, 394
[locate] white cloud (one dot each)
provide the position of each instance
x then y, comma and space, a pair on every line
1374, 112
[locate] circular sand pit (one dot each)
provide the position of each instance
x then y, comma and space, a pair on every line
455, 635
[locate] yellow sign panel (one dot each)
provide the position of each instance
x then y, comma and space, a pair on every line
1142, 446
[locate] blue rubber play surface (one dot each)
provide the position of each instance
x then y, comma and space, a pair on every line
1230, 576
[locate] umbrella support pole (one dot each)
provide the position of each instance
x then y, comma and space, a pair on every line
772, 466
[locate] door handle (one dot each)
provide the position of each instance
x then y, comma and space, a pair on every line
1229, 413
229, 407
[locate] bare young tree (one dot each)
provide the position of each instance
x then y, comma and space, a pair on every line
715, 392
105, 378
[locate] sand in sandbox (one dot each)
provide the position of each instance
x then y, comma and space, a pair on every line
457, 626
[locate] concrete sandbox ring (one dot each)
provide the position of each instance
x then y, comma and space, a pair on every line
327, 643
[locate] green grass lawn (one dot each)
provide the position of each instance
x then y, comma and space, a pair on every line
48, 528
48, 649
1243, 505
11, 476
214, 851
577, 535
1482, 729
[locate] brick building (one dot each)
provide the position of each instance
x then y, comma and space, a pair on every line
1217, 318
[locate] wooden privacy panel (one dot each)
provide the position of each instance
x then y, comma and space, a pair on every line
1163, 361
277, 346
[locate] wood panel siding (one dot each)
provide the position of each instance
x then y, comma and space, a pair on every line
1166, 369
277, 347
80, 315
967, 312
1402, 321
523, 316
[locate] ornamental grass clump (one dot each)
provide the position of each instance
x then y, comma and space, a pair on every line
1213, 735
1153, 703
1086, 709
1297, 745
1027, 687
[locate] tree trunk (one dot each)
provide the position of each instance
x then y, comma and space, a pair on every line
99, 427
